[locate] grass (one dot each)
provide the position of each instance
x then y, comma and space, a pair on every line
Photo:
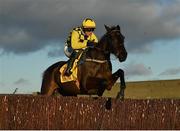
148, 89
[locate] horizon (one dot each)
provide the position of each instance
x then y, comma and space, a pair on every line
33, 33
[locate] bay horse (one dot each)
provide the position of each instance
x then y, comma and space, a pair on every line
95, 74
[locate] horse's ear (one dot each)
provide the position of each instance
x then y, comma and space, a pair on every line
107, 28
118, 27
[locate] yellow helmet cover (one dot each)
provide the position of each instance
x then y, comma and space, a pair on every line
88, 23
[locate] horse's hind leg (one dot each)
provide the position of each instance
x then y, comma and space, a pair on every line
48, 89
48, 85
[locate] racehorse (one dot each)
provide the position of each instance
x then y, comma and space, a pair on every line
95, 74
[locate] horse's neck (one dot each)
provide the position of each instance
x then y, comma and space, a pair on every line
103, 43
103, 46
100, 51
95, 54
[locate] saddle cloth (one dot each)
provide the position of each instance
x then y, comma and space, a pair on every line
74, 70
72, 77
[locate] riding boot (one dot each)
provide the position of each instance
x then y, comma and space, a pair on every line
83, 57
70, 64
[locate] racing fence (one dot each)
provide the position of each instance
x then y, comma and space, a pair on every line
42, 112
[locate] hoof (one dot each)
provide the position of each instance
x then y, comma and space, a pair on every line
95, 98
120, 95
108, 104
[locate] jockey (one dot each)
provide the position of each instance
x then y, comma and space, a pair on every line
79, 41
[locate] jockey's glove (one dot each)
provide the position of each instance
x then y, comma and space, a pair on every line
90, 44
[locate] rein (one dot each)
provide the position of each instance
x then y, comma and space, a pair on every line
103, 50
109, 41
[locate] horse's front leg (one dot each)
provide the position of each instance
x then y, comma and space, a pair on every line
118, 74
120, 94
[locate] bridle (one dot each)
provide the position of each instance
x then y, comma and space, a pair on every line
105, 52
109, 40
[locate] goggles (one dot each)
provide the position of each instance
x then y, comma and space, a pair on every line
88, 29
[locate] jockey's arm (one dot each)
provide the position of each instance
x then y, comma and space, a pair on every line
75, 41
94, 38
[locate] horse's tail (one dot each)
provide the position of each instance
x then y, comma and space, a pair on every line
48, 80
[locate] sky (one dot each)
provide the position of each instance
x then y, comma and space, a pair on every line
33, 32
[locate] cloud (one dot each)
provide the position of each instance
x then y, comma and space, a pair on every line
28, 26
134, 69
171, 71
55, 52
21, 81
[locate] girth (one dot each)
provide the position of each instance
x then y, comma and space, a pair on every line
96, 61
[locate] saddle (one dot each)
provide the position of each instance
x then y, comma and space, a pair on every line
74, 70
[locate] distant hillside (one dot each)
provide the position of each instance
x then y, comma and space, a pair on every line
149, 89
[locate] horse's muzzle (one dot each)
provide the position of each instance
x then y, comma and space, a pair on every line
123, 57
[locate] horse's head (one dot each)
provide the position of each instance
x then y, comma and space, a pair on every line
115, 42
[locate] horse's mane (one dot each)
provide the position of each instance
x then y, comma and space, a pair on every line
98, 53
